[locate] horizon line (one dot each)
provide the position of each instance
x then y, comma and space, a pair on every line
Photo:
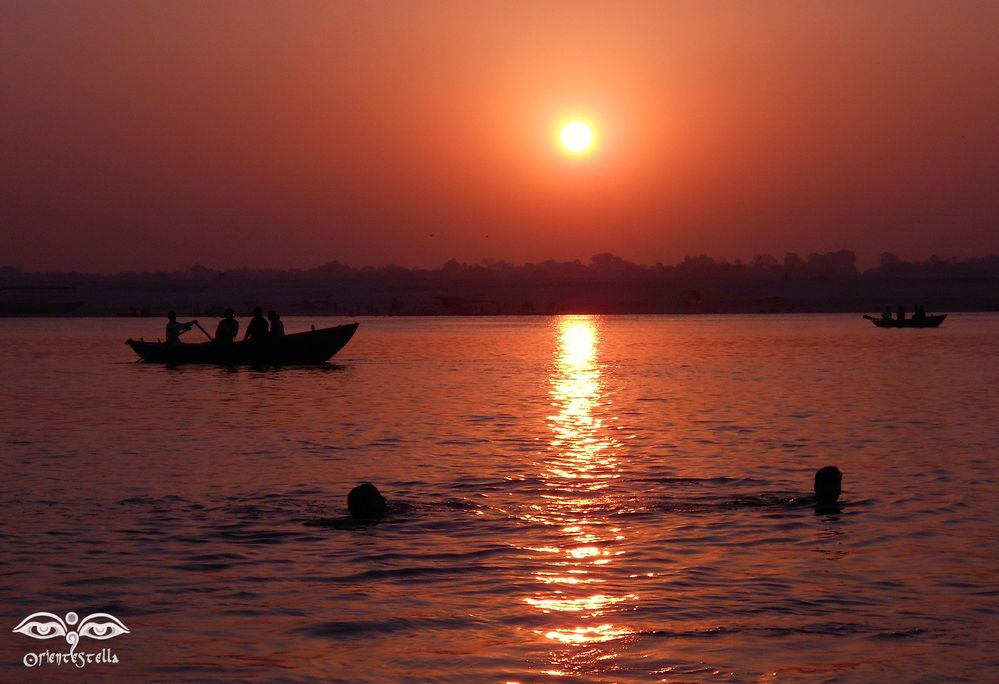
759, 261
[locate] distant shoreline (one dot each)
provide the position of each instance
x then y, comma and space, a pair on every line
824, 284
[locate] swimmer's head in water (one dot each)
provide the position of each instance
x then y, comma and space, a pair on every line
828, 482
365, 501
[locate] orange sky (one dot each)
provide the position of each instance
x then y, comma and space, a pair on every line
142, 135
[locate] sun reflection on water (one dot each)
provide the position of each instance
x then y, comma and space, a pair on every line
577, 470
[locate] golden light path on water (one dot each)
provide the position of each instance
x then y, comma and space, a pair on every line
577, 469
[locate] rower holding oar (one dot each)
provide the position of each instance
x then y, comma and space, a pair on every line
174, 328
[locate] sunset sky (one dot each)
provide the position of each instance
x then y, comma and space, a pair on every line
155, 135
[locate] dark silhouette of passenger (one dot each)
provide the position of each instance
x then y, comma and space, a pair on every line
256, 330
886, 314
828, 486
901, 312
227, 327
277, 327
920, 312
365, 501
174, 328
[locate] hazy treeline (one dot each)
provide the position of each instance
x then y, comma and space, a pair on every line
839, 265
828, 282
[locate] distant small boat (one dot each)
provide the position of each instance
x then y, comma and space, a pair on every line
309, 347
925, 322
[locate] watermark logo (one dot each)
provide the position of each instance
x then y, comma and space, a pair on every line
98, 626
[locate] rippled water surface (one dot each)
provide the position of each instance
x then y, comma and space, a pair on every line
573, 499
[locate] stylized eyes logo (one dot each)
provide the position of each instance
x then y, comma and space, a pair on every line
49, 626
102, 626
42, 626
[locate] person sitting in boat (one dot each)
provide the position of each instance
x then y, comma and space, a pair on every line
277, 327
920, 312
256, 330
886, 314
828, 486
174, 328
901, 312
227, 328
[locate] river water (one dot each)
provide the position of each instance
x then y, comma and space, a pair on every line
572, 499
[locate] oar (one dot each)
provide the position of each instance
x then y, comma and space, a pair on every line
204, 331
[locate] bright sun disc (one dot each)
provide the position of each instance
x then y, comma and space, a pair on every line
576, 137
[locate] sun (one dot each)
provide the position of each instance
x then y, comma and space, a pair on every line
576, 136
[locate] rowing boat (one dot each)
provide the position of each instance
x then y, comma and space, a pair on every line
925, 322
311, 346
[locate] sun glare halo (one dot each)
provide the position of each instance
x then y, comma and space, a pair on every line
576, 137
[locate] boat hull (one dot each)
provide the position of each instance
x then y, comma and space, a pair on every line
928, 322
309, 347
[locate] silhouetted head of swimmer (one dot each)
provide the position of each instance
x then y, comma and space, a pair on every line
365, 501
828, 482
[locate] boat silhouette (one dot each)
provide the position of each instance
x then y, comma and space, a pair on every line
309, 347
924, 322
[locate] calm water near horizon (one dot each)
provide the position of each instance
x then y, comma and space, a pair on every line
574, 499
